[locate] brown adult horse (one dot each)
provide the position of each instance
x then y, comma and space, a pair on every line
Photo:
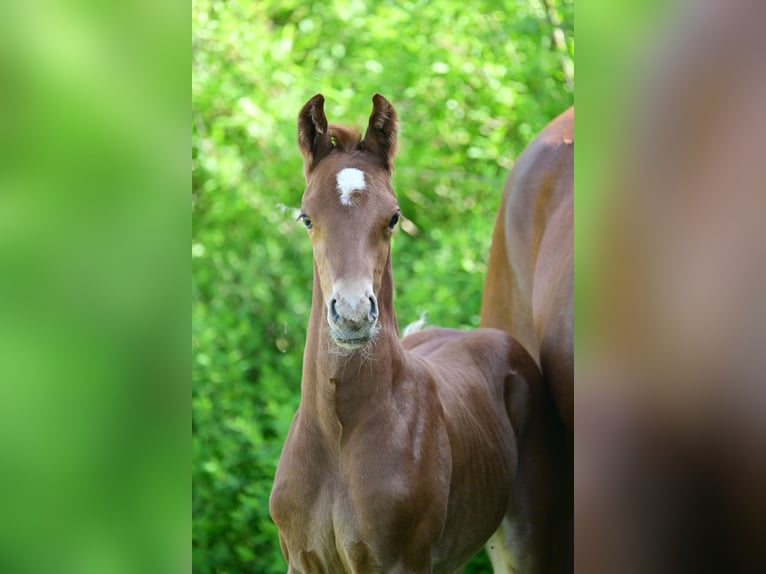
402, 456
528, 293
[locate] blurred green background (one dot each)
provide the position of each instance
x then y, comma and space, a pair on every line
472, 84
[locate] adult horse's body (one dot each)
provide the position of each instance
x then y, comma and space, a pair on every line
402, 456
528, 293
528, 290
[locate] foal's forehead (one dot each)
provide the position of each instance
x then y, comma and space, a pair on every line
350, 183
349, 180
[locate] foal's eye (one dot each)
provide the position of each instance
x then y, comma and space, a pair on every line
305, 219
394, 221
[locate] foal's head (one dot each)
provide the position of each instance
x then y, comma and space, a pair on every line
350, 210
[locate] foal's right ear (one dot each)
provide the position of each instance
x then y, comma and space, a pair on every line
313, 133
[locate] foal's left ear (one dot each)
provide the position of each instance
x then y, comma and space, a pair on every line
380, 137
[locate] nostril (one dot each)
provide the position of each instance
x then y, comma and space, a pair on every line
373, 308
333, 311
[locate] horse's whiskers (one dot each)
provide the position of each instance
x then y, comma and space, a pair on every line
366, 351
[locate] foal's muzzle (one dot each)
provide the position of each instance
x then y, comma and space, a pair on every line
353, 316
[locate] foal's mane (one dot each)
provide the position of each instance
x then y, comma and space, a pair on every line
345, 138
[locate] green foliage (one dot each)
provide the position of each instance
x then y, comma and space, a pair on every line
472, 84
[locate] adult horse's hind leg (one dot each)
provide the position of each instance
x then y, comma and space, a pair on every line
534, 535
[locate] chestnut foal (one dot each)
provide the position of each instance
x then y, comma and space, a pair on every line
402, 455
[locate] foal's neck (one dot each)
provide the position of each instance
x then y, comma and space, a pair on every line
338, 384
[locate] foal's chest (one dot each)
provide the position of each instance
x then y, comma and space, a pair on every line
319, 531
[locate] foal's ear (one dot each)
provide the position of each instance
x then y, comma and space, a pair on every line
313, 134
380, 137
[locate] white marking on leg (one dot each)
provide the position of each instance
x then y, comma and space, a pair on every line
498, 549
349, 180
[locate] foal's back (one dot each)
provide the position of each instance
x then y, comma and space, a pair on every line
483, 384
478, 361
